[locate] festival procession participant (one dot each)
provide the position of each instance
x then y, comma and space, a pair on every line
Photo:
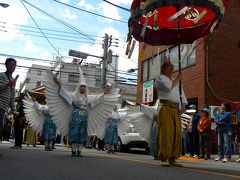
7, 90
37, 119
49, 128
169, 141
78, 114
111, 134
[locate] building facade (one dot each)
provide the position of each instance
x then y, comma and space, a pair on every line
69, 76
210, 68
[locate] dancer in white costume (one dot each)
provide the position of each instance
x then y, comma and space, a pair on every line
78, 114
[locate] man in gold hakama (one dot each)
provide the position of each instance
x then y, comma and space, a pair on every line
169, 139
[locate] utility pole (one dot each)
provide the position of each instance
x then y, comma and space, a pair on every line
104, 62
107, 56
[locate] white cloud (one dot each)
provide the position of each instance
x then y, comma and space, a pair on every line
85, 5
30, 47
96, 49
64, 1
118, 2
67, 14
14, 14
108, 10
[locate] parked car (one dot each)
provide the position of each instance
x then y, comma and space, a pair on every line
131, 139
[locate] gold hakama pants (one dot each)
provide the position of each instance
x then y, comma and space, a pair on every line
169, 136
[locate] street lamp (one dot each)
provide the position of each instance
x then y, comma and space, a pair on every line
78, 54
4, 5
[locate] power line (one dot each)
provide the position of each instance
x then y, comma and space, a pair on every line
39, 28
117, 6
53, 61
62, 39
90, 12
66, 72
53, 34
61, 21
47, 29
53, 30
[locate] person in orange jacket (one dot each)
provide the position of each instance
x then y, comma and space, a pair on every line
204, 129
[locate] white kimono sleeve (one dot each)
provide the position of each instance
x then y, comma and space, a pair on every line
96, 99
65, 95
163, 83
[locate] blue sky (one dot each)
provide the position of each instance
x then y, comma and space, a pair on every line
20, 36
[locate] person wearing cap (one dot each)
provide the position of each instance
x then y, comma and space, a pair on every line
192, 133
7, 89
204, 129
169, 141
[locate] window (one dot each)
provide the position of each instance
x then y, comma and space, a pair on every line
151, 67
145, 70
39, 72
38, 83
187, 56
73, 78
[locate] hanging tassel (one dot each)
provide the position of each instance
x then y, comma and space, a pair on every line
177, 14
220, 4
155, 20
144, 27
129, 41
189, 11
141, 53
131, 50
203, 13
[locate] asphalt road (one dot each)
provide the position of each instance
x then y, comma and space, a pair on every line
31, 163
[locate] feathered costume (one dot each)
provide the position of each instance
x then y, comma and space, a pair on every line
40, 120
76, 114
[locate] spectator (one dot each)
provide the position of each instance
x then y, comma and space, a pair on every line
193, 135
19, 122
204, 129
31, 136
223, 121
237, 140
7, 90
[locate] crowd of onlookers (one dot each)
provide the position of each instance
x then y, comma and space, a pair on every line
20, 132
199, 131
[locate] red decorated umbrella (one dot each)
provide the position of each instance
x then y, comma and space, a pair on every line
174, 22
157, 22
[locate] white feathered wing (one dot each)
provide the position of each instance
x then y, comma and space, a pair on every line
60, 110
142, 117
99, 114
33, 117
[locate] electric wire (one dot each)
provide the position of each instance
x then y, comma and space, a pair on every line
90, 12
40, 28
66, 72
120, 7
61, 21
54, 61
46, 29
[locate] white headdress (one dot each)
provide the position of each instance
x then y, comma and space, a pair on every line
81, 82
81, 77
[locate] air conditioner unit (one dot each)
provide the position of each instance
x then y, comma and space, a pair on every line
214, 111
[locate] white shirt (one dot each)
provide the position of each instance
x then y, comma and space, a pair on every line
165, 91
